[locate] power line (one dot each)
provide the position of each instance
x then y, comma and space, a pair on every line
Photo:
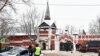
69, 4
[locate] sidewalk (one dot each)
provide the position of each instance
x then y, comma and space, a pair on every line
64, 53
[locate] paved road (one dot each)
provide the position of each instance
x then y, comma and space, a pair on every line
64, 53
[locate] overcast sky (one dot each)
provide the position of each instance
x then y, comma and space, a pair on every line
78, 13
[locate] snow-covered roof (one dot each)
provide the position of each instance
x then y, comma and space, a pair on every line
49, 22
22, 34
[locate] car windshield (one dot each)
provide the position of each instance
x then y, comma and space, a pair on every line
15, 50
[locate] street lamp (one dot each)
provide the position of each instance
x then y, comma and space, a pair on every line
57, 42
57, 46
66, 31
74, 44
49, 37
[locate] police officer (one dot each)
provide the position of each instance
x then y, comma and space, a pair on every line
37, 50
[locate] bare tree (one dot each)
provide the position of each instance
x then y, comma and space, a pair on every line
94, 27
4, 7
11, 3
29, 22
71, 29
6, 25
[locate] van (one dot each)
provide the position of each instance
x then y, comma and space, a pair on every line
90, 46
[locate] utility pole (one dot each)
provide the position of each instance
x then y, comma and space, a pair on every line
49, 37
74, 44
57, 44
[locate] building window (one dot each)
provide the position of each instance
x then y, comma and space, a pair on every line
47, 29
41, 29
53, 30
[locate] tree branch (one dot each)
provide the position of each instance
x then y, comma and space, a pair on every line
3, 5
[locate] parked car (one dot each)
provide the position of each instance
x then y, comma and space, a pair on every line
16, 51
4, 49
91, 46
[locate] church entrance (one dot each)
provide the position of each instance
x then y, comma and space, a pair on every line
66, 46
43, 46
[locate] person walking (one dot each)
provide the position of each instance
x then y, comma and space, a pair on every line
30, 50
37, 50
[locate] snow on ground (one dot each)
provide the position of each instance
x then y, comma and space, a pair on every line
69, 53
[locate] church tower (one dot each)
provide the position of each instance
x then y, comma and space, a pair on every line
47, 14
47, 31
